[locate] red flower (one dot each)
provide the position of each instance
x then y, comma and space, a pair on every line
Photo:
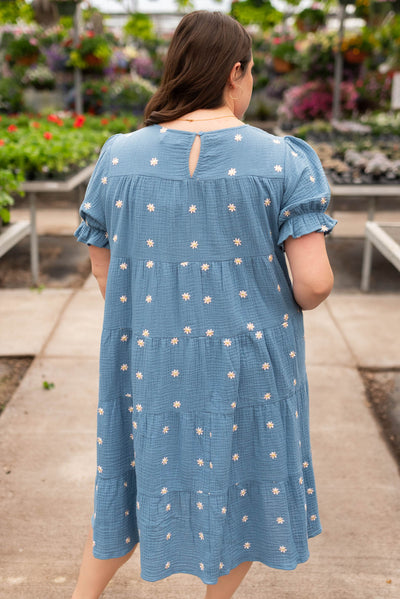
47, 135
104, 122
35, 124
90, 33
53, 118
104, 89
79, 121
12, 128
2, 142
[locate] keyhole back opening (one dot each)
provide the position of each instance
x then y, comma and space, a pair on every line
194, 154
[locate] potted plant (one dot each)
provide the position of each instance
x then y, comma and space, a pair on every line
22, 50
66, 8
39, 77
310, 19
283, 53
92, 52
356, 48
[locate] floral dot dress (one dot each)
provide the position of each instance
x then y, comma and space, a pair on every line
203, 446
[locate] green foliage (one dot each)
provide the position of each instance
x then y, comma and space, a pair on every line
12, 11
48, 386
140, 26
11, 99
260, 12
92, 52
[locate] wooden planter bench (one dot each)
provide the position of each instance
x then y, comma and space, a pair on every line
386, 238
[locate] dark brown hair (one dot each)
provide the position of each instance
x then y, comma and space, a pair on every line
202, 53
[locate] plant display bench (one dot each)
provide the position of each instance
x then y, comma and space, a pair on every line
386, 238
75, 183
13, 233
372, 193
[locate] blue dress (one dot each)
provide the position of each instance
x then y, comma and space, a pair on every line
203, 441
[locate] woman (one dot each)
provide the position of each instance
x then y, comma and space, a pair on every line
203, 438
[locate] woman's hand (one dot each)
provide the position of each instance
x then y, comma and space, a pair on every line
311, 272
100, 259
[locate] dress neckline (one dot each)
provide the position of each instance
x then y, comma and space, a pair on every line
161, 126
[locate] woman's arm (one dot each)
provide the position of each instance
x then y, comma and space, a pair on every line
100, 259
311, 272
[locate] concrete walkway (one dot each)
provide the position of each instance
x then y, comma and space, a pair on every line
48, 445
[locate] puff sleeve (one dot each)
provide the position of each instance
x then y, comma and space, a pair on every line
93, 228
306, 193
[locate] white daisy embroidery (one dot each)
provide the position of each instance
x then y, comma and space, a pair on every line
177, 404
278, 287
313, 517
175, 373
243, 293
267, 396
233, 404
276, 141
243, 492
227, 342
187, 330
115, 237
273, 455
205, 266
119, 203
270, 424
267, 202
130, 409
124, 367
201, 566
164, 490
232, 172
207, 299
186, 296
150, 207
199, 505
164, 461
163, 130
209, 332
323, 201
149, 263
199, 430
278, 168
167, 565
124, 337
145, 333
250, 326
238, 261
234, 427
292, 354
123, 266
237, 241
235, 457
194, 245
104, 180
231, 374
184, 263
286, 317
200, 462
310, 491
280, 520
312, 179
150, 243
165, 429
133, 463
245, 518
134, 424
100, 469
154, 162
87, 205
282, 549
192, 208
275, 491
300, 480
231, 207
123, 299
148, 299
168, 507
258, 335
100, 411
221, 565
115, 161
139, 376
238, 137
324, 228
223, 510
266, 366
294, 154
305, 464
99, 440
126, 512
270, 258
139, 407
287, 213
174, 340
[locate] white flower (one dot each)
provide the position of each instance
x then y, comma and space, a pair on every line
168, 536
294, 154
237, 241
231, 207
163, 130
139, 407
235, 427
243, 492
231, 374
227, 342
276, 141
221, 565
200, 461
233, 404
247, 545
192, 208
243, 293
292, 354
167, 565
150, 243
223, 510
123, 299
266, 366
140, 342
232, 172
310, 491
312, 179
199, 505
114, 161
148, 299
150, 207
124, 338
187, 330
174, 340
245, 518
238, 137
273, 455
201, 566
115, 237
168, 507
165, 430
209, 332
313, 517
305, 464
258, 335
99, 440
278, 168
119, 203
205, 266
184, 263
267, 202
164, 490
194, 245
87, 205
153, 161
177, 404
282, 549
250, 326
123, 266
175, 372
149, 263
280, 520
267, 396
235, 457
275, 491
145, 333
100, 469
104, 180
139, 375
324, 228
270, 424
164, 461
287, 213
238, 261
124, 367
323, 201
199, 430
186, 296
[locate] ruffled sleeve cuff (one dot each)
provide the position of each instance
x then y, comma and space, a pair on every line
91, 236
303, 224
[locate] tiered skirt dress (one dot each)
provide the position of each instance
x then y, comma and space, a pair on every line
203, 441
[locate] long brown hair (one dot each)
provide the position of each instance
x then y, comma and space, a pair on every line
202, 53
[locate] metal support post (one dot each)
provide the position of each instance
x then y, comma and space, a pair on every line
34, 241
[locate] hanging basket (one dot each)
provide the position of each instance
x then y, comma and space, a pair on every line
355, 56
66, 8
281, 65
